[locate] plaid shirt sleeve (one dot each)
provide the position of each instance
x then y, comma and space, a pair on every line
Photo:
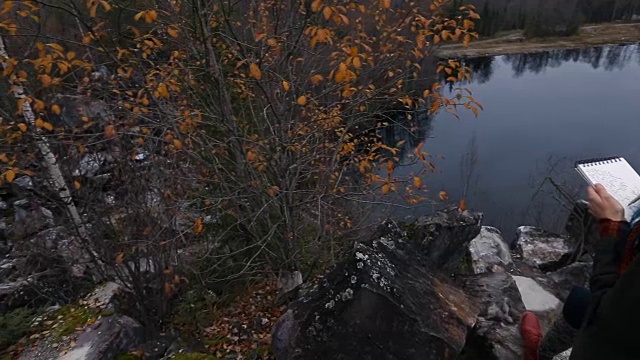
614, 229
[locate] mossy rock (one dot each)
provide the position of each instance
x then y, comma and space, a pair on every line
71, 317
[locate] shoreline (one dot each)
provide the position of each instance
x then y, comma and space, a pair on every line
514, 42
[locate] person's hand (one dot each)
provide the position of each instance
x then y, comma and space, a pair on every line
602, 205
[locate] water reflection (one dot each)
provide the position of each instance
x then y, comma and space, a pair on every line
542, 112
609, 58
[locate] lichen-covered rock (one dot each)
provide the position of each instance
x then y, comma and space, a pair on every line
489, 252
546, 250
384, 302
496, 335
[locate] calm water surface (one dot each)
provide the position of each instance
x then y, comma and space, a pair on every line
542, 113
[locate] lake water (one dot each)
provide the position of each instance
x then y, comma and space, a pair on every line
542, 113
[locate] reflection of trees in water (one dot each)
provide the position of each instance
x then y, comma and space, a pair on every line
608, 57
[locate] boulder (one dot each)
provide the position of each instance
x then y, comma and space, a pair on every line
288, 283
576, 274
106, 339
546, 250
534, 296
385, 301
444, 238
489, 252
496, 335
30, 218
582, 226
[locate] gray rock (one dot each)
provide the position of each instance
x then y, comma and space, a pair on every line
30, 218
4, 205
488, 251
23, 182
576, 274
385, 284
106, 338
496, 335
444, 238
157, 348
104, 296
534, 296
91, 165
563, 355
288, 281
546, 250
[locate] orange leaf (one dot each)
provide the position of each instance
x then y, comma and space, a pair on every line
315, 5
76, 185
417, 182
119, 258
385, 188
46, 80
326, 12
386, 4
302, 100
4, 158
286, 86
255, 72
315, 79
172, 31
251, 155
39, 123
168, 289
177, 143
22, 127
463, 205
55, 109
10, 175
436, 39
109, 131
150, 16
48, 126
443, 195
198, 227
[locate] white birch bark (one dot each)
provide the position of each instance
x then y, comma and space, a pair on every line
55, 179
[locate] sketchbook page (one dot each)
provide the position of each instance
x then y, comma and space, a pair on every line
619, 178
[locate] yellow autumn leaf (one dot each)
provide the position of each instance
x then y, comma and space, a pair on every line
286, 86
315, 79
302, 100
356, 62
172, 31
39, 123
55, 109
417, 182
177, 144
48, 126
163, 90
38, 105
22, 127
150, 16
10, 175
443, 195
385, 188
255, 72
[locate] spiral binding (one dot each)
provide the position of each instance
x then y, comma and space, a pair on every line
598, 161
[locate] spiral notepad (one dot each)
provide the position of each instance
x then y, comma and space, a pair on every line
617, 176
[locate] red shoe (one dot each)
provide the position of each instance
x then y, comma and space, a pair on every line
531, 335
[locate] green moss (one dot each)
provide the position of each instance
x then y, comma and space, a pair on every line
193, 356
127, 357
14, 325
68, 318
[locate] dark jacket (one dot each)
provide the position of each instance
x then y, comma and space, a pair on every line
612, 325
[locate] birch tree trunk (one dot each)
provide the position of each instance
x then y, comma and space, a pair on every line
54, 175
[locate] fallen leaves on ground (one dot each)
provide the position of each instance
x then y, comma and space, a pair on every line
243, 329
